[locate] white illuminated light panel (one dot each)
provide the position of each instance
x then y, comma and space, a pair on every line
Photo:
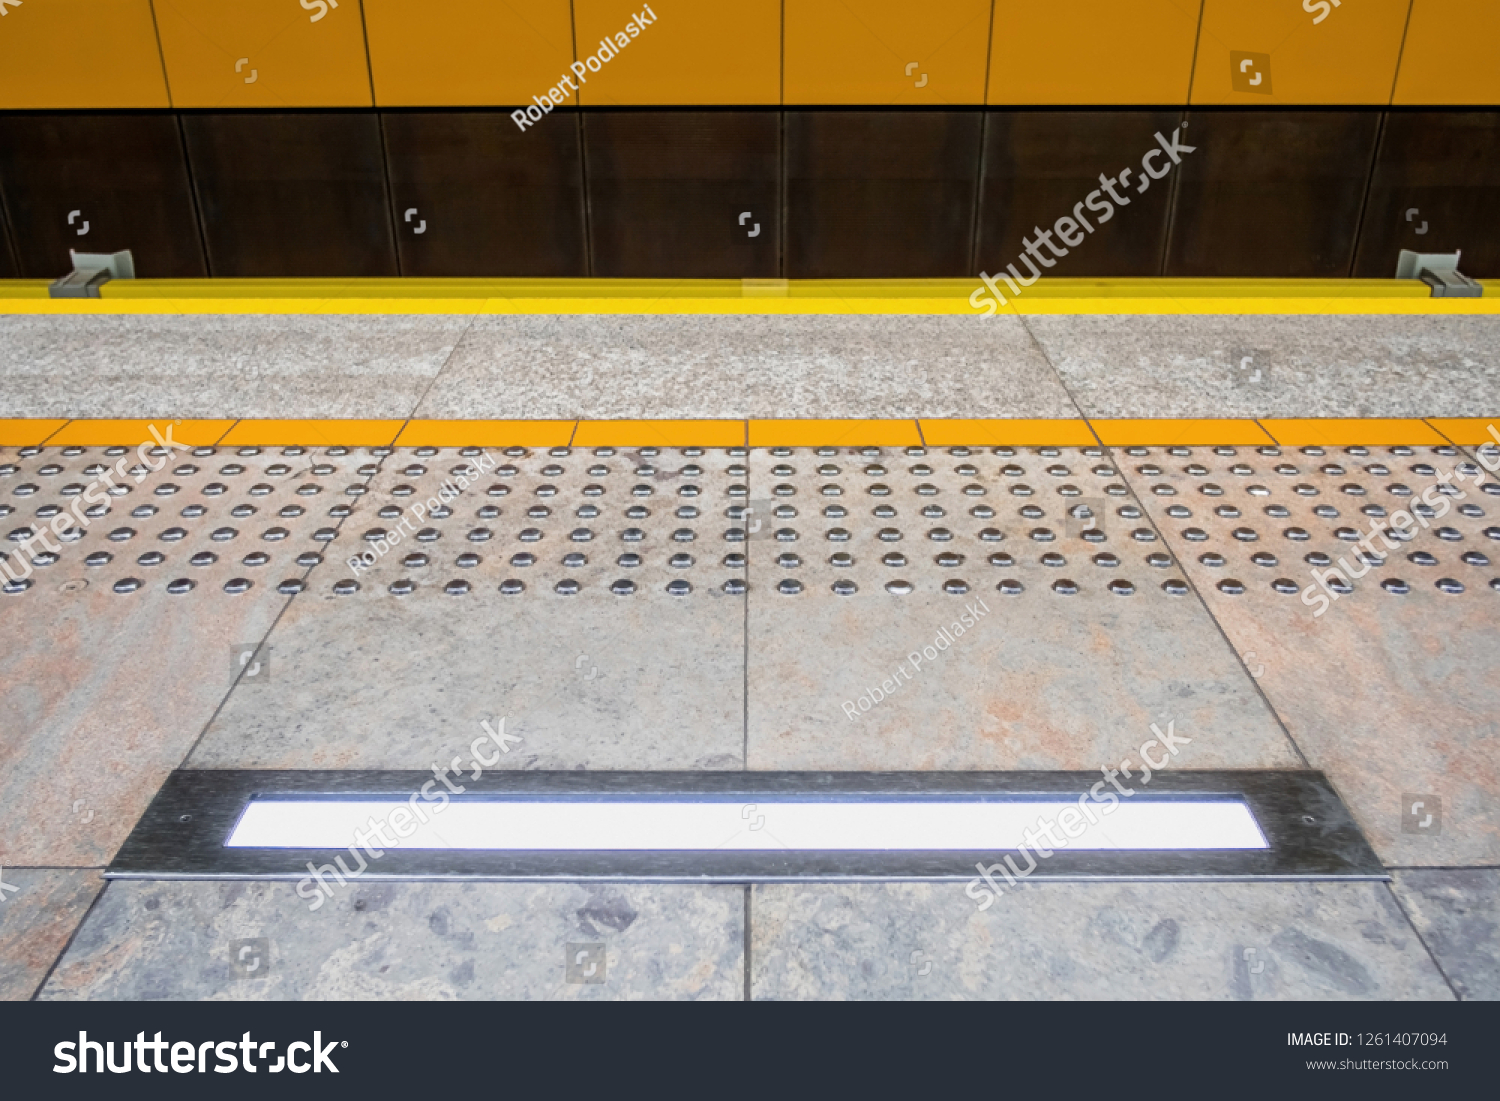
699, 826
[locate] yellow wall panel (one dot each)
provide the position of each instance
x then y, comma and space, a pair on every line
1093, 51
693, 53
886, 51
1348, 57
80, 53
1452, 53
463, 53
264, 53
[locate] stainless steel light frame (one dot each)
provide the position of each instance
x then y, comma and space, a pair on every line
183, 833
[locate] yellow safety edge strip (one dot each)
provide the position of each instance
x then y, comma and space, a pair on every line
802, 297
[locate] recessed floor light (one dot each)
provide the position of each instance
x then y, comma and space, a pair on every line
746, 826
491, 824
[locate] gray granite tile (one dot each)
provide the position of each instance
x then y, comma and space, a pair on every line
36, 921
592, 680
1457, 911
402, 682
102, 693
1394, 694
406, 942
621, 367
1067, 941
980, 680
212, 365
1274, 366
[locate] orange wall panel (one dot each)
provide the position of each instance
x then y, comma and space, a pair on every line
886, 51
264, 53
1092, 52
80, 53
1452, 53
1347, 57
694, 53
467, 53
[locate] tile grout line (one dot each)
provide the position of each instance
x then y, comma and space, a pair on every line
1389, 886
1187, 578
37, 993
1442, 867
1186, 575
1057, 374
749, 996
745, 700
447, 359
339, 528
55, 431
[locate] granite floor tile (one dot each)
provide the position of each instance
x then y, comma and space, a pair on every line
1457, 911
1073, 941
1036, 632
582, 681
621, 367
1273, 366
212, 365
407, 942
591, 679
1392, 688
102, 691
36, 921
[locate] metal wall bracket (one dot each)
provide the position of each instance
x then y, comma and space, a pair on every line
91, 270
1439, 270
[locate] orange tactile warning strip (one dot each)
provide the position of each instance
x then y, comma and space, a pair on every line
486, 434
1007, 433
131, 433
1179, 433
313, 433
667, 433
1341, 432
1468, 431
27, 432
835, 433
938, 432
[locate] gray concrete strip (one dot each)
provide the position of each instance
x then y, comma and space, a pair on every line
1274, 366
217, 365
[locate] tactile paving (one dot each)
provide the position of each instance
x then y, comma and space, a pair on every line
1381, 656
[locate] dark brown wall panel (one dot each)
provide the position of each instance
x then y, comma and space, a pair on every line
292, 194
489, 199
8, 269
667, 190
122, 171
1445, 166
1271, 193
1039, 165
880, 193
